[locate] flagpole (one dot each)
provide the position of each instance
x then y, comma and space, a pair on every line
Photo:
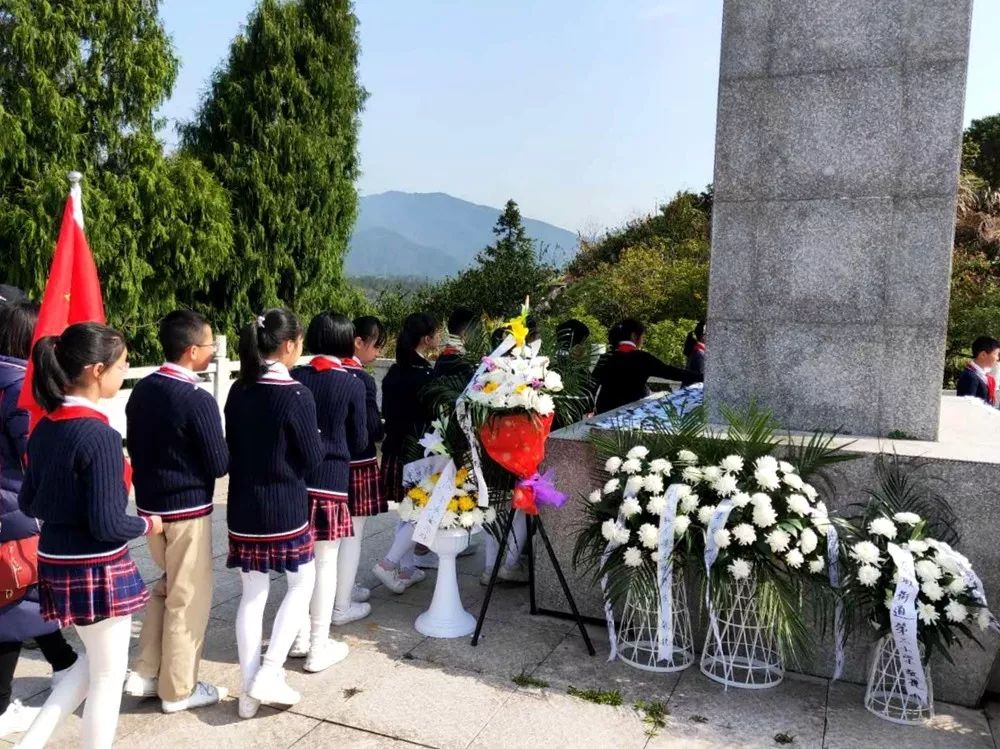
76, 193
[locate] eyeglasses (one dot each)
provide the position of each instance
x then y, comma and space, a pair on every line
212, 345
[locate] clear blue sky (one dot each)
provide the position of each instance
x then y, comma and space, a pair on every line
587, 112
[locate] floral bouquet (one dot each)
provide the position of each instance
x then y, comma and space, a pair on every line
512, 397
462, 509
759, 515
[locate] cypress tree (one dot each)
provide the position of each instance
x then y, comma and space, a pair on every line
80, 82
279, 128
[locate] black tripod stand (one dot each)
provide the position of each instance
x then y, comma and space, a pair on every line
534, 522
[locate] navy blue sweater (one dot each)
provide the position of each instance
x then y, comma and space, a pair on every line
407, 413
13, 424
74, 483
970, 383
176, 445
340, 414
373, 417
273, 443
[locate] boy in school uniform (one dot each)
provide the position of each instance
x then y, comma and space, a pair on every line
976, 379
177, 448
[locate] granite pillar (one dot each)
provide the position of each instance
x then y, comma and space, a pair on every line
837, 154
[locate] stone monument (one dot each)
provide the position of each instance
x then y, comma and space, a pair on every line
836, 162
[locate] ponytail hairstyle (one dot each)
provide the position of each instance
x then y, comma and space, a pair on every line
331, 334
262, 338
59, 360
626, 330
370, 330
695, 337
415, 327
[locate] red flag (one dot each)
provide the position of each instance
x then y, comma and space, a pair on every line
72, 293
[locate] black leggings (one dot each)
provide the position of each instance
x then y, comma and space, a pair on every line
57, 652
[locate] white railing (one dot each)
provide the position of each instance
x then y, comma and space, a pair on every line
218, 379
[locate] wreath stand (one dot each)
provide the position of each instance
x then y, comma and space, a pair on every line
534, 522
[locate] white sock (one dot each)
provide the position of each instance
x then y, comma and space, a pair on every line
96, 677
347, 565
400, 554
250, 624
515, 542
316, 626
292, 611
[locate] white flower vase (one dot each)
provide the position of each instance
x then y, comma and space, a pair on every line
886, 694
638, 642
447, 618
746, 654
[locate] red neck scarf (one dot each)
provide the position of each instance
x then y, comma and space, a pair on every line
324, 364
350, 361
625, 347
67, 413
699, 348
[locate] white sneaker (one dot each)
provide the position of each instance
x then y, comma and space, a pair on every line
516, 574
389, 578
248, 706
202, 696
300, 648
412, 577
354, 613
137, 685
324, 655
270, 686
17, 718
360, 594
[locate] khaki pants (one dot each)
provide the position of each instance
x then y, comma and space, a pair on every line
173, 630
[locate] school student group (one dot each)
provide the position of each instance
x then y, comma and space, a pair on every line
299, 446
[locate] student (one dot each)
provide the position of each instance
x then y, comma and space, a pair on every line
340, 410
274, 443
975, 379
571, 335
75, 482
407, 417
622, 373
694, 350
364, 492
177, 450
22, 619
451, 361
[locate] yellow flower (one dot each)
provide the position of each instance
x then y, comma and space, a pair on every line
489, 387
453, 506
461, 476
520, 389
519, 329
435, 477
417, 494
466, 503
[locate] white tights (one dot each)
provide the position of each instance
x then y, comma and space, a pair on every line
515, 543
400, 554
250, 620
347, 564
315, 627
96, 677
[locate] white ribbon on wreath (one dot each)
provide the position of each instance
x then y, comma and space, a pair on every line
903, 623
609, 612
833, 570
719, 518
665, 575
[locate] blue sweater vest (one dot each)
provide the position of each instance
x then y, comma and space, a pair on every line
273, 444
176, 445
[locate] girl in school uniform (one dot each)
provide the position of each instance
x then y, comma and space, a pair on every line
364, 492
274, 443
407, 415
20, 615
340, 410
76, 483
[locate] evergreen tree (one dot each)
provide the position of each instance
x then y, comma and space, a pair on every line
80, 81
279, 128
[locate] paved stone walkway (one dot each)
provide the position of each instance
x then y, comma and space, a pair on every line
398, 689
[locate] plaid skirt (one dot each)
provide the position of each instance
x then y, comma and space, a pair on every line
329, 518
85, 594
392, 479
364, 494
271, 556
